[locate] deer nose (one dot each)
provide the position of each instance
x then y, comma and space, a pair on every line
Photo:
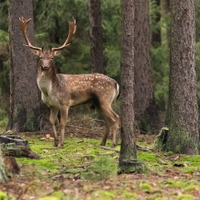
45, 64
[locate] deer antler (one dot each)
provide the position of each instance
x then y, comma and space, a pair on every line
72, 30
23, 24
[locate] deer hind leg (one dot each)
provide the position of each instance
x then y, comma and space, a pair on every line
112, 124
114, 127
52, 119
107, 130
63, 121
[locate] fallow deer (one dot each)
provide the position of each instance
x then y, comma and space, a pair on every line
60, 91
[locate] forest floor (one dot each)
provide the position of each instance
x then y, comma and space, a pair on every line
81, 170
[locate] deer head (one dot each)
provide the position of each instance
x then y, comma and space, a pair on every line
46, 57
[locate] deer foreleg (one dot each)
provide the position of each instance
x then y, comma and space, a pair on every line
52, 119
63, 121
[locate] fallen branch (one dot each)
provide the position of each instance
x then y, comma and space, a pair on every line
142, 148
111, 149
24, 190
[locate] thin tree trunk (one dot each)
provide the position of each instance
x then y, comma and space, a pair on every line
128, 145
24, 94
183, 135
96, 49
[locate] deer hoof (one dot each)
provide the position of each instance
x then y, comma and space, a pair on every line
55, 143
60, 145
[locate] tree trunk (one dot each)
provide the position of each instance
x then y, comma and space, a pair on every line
183, 135
24, 94
96, 49
146, 113
3, 176
128, 145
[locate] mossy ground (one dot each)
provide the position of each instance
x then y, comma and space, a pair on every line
83, 170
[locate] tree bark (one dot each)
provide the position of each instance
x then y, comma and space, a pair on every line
24, 94
128, 145
183, 135
146, 113
96, 43
3, 175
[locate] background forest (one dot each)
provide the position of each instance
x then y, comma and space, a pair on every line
50, 28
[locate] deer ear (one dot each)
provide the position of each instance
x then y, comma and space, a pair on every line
56, 52
36, 52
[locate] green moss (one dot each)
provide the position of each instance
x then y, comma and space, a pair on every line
60, 195
3, 196
133, 166
170, 153
179, 141
186, 197
49, 198
147, 156
156, 196
102, 168
129, 195
192, 187
3, 124
105, 195
189, 170
191, 159
146, 187
75, 153
179, 184
191, 163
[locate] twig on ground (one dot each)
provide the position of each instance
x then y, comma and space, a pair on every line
24, 190
142, 148
111, 149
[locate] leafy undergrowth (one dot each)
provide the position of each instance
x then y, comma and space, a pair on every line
82, 170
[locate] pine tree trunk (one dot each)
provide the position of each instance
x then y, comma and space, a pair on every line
96, 49
146, 113
183, 135
128, 144
24, 94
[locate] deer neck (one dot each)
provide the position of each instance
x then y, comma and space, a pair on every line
46, 80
